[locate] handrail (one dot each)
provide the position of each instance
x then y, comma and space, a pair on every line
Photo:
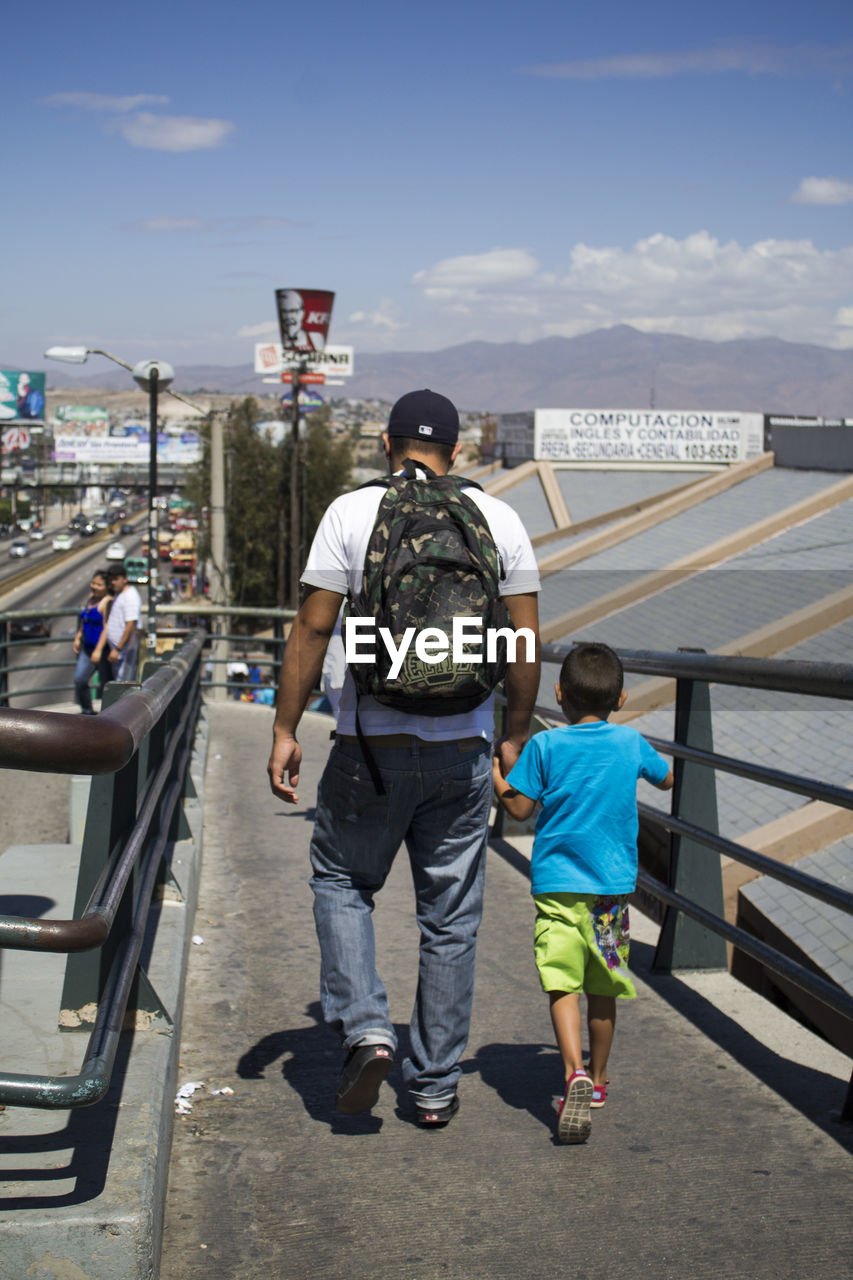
782, 675
53, 742
92, 929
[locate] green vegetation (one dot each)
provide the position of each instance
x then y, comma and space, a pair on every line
257, 498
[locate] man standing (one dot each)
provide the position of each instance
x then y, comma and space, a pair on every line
123, 626
436, 772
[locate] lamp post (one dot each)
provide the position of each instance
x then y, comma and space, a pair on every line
151, 375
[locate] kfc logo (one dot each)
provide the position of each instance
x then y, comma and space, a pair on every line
303, 318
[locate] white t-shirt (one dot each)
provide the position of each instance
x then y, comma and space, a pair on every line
336, 563
127, 606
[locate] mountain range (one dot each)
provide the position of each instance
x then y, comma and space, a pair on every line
620, 367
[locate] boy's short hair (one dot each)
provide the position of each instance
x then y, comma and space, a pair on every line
591, 679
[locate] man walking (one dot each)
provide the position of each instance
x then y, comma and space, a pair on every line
434, 775
123, 626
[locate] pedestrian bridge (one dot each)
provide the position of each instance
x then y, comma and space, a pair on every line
720, 1152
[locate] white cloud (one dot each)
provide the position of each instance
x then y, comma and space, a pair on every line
105, 101
697, 286
823, 191
375, 320
144, 128
268, 329
172, 133
157, 226
750, 59
453, 278
208, 226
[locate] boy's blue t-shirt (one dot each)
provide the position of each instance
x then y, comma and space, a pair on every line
586, 775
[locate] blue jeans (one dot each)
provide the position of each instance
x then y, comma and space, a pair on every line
125, 668
437, 802
83, 674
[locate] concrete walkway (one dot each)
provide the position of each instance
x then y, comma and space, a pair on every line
718, 1155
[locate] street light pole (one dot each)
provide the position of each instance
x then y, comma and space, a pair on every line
151, 375
153, 512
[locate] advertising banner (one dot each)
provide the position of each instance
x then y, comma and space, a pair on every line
21, 395
180, 451
649, 436
270, 357
80, 420
14, 439
303, 318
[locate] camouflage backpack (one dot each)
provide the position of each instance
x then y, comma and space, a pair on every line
431, 558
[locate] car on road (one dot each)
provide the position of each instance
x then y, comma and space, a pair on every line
28, 628
127, 531
116, 551
86, 530
63, 542
37, 535
19, 548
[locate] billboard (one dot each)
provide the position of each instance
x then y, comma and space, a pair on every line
303, 319
21, 395
652, 436
80, 420
180, 451
270, 357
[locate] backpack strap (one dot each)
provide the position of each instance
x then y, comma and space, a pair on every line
369, 759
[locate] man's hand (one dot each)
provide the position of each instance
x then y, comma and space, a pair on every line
507, 751
285, 759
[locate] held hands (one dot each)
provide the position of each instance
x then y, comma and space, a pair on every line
284, 762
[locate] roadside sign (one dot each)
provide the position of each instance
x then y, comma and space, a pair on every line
15, 438
308, 400
306, 379
269, 358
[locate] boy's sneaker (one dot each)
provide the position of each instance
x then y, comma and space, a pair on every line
574, 1124
599, 1094
366, 1067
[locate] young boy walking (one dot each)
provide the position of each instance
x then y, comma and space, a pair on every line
584, 864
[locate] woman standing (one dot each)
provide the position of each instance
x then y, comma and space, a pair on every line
90, 642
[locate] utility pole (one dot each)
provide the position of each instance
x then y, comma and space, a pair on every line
220, 587
295, 540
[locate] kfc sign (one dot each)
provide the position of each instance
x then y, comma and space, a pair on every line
303, 318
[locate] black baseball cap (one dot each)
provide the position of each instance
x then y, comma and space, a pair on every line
425, 415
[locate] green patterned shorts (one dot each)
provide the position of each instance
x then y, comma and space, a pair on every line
581, 944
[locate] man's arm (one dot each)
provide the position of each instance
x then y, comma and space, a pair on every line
117, 649
300, 673
522, 681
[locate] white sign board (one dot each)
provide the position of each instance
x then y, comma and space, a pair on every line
331, 360
651, 436
129, 449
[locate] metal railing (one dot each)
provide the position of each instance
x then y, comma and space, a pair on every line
187, 615
138, 751
694, 931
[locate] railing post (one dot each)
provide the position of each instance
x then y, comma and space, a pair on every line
694, 870
4, 663
109, 819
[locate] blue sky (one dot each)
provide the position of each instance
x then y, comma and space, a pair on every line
452, 171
